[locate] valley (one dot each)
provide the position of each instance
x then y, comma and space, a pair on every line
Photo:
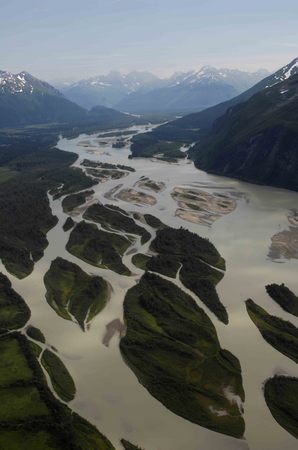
107, 391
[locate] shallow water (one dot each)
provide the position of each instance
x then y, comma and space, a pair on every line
108, 393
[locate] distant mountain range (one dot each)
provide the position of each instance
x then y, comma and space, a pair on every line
26, 100
191, 127
143, 92
109, 90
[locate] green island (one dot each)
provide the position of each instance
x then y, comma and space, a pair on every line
101, 165
30, 416
129, 446
75, 181
14, 311
98, 248
36, 334
282, 295
115, 219
72, 201
74, 294
153, 221
120, 143
68, 224
197, 259
282, 335
163, 264
61, 379
117, 133
172, 347
147, 146
281, 394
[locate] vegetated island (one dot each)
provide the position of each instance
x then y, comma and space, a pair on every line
61, 379
281, 394
98, 248
105, 171
196, 259
31, 417
38, 168
150, 185
74, 294
129, 446
284, 297
282, 335
146, 146
172, 347
72, 201
114, 218
36, 334
68, 224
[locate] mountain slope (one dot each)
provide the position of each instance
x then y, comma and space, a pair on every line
26, 100
256, 140
191, 127
109, 89
191, 91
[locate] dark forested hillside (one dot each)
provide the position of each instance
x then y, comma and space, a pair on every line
256, 140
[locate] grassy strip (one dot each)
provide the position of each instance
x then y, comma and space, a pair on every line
281, 394
72, 292
172, 347
282, 335
60, 377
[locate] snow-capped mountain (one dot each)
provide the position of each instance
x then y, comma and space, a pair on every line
239, 79
284, 73
191, 91
109, 89
192, 126
24, 83
25, 100
144, 92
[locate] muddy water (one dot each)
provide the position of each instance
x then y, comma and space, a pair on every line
108, 393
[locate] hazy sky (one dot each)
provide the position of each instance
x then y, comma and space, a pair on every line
54, 39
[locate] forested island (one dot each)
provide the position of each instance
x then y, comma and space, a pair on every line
172, 347
74, 294
281, 395
281, 334
197, 262
282, 295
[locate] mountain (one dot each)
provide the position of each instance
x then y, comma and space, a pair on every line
108, 90
257, 140
192, 126
191, 91
26, 100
